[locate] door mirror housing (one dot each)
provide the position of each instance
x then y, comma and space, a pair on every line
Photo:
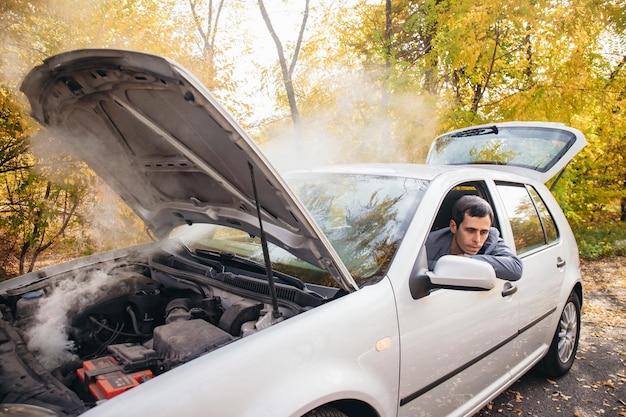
462, 273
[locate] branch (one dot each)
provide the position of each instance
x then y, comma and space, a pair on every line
196, 19
217, 19
287, 81
4, 170
43, 246
479, 96
279, 45
296, 52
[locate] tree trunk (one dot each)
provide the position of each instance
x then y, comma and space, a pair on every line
287, 71
386, 124
622, 217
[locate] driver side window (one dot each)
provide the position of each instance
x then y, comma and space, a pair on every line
444, 214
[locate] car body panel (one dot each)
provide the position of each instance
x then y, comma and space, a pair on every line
549, 282
449, 373
462, 370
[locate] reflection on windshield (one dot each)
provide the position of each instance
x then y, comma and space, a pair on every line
363, 216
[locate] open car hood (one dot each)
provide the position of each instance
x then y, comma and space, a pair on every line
169, 149
537, 150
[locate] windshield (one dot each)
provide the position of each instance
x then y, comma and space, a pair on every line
364, 217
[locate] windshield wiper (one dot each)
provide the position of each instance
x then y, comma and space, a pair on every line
219, 256
287, 279
476, 132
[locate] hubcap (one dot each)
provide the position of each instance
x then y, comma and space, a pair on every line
568, 331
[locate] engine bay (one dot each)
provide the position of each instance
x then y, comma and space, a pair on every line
73, 340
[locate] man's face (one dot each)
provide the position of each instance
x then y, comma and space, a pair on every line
470, 235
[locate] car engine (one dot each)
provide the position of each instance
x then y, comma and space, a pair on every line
73, 340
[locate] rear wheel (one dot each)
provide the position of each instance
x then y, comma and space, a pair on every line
562, 352
325, 411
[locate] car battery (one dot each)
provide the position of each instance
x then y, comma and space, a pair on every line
105, 379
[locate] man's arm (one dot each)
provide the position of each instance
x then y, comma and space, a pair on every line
506, 264
438, 245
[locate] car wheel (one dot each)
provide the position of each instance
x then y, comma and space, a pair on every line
325, 411
562, 352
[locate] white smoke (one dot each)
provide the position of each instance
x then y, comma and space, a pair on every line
360, 123
48, 336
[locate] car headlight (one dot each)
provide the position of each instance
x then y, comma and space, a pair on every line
25, 410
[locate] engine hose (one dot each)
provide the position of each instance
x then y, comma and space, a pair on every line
133, 318
117, 332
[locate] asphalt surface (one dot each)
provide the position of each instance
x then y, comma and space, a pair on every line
596, 384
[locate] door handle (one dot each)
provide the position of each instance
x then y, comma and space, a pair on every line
560, 262
508, 289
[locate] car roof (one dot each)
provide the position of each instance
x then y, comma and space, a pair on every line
426, 172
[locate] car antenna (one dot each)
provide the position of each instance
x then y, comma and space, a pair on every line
266, 253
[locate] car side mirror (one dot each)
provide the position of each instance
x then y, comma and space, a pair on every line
459, 272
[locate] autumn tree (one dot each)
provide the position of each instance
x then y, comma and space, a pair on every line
13, 146
358, 94
35, 211
44, 200
493, 61
287, 66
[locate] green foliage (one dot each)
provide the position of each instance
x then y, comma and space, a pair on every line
601, 240
13, 126
541, 60
35, 211
44, 203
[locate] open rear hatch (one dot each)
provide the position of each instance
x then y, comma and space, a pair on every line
536, 150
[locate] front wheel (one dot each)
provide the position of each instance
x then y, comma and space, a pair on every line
325, 411
560, 356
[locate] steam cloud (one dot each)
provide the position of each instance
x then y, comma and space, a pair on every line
48, 336
362, 124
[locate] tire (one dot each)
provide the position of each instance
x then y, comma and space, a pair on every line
562, 352
325, 411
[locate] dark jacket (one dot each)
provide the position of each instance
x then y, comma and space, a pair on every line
494, 251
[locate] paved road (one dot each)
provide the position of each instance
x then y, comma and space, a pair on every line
596, 384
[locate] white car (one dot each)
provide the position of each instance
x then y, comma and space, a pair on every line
307, 295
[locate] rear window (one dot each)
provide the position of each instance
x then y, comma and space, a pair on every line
536, 148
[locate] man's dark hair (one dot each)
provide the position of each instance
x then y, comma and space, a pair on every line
473, 205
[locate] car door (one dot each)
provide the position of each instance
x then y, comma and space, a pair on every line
544, 255
456, 344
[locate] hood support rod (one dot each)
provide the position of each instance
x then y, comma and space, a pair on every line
266, 253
